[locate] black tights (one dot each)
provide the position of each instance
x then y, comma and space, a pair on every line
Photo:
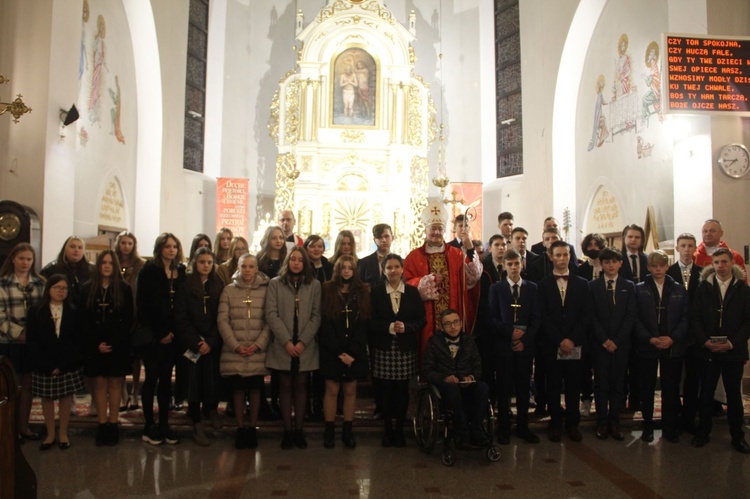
394, 401
293, 386
158, 362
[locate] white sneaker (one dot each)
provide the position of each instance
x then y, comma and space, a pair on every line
586, 408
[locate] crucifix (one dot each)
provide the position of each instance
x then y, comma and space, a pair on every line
205, 300
562, 296
659, 308
247, 301
296, 306
515, 306
103, 306
346, 310
171, 296
686, 277
721, 314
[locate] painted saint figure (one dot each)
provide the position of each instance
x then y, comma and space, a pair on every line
622, 84
652, 97
600, 131
115, 111
97, 76
348, 83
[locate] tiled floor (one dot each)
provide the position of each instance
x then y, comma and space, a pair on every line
592, 468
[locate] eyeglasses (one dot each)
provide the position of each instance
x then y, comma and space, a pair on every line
457, 322
60, 288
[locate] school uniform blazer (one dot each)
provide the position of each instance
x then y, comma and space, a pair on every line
501, 314
439, 364
530, 257
613, 321
483, 324
569, 321
675, 272
586, 270
704, 316
410, 312
369, 269
627, 273
280, 318
48, 351
677, 305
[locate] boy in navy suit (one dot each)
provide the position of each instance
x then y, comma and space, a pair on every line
514, 310
614, 316
565, 303
661, 335
688, 274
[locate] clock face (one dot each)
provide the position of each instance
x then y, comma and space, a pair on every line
734, 160
10, 226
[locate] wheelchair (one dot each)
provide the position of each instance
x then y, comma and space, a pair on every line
431, 415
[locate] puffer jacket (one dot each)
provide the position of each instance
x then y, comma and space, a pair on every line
236, 328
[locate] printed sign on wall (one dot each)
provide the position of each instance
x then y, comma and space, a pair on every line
232, 195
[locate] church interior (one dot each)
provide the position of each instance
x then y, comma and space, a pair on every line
184, 116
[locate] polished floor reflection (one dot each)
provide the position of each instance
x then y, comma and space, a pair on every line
592, 468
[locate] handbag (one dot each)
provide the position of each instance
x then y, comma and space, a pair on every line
142, 336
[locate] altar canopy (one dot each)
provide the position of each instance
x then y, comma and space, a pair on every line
353, 124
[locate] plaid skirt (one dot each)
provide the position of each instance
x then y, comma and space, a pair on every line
56, 387
393, 364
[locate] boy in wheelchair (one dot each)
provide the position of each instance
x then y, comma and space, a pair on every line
452, 363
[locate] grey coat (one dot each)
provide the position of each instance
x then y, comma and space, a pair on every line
237, 329
280, 317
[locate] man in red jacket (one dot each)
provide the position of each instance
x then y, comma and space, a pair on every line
712, 234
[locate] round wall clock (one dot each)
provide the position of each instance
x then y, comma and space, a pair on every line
734, 160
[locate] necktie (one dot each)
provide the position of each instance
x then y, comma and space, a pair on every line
611, 289
634, 266
515, 291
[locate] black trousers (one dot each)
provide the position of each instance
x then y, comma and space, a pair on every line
587, 375
486, 344
541, 380
670, 371
513, 377
631, 386
691, 390
569, 372
609, 379
731, 374
469, 405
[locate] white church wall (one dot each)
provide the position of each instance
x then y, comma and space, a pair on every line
618, 135
730, 196
25, 58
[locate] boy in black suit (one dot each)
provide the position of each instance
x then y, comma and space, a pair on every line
720, 322
369, 268
614, 316
518, 239
661, 343
514, 310
453, 365
565, 302
687, 274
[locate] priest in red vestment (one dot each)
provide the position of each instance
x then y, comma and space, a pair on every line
445, 276
712, 234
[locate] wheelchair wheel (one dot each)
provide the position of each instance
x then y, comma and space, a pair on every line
448, 458
426, 421
489, 422
494, 453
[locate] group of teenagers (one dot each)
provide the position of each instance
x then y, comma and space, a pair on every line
480, 327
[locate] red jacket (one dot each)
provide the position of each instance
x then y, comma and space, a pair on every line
703, 259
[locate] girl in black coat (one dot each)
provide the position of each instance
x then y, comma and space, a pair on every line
397, 317
157, 285
198, 337
54, 345
106, 304
343, 343
71, 262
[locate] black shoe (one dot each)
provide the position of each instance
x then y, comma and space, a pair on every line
251, 438
101, 435
503, 437
647, 435
64, 445
286, 441
347, 436
114, 434
299, 439
169, 437
46, 445
152, 435
601, 430
614, 431
671, 436
329, 437
700, 441
554, 435
527, 435
741, 445
574, 433
240, 438
480, 440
